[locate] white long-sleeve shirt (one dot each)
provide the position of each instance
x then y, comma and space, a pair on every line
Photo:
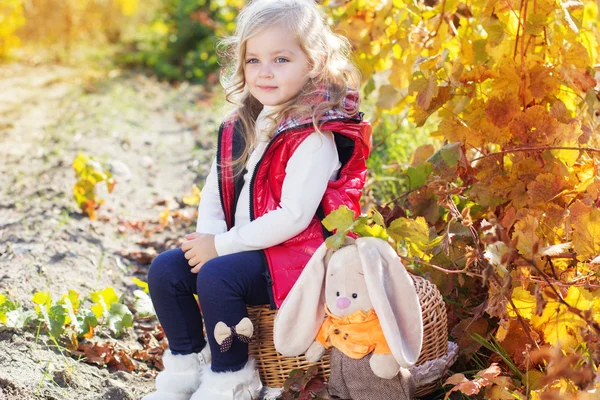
310, 167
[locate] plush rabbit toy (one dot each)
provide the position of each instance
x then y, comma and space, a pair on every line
374, 320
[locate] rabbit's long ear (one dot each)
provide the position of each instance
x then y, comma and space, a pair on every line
302, 312
394, 299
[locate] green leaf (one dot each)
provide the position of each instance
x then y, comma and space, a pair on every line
18, 317
87, 321
119, 318
57, 316
341, 219
495, 31
369, 87
418, 175
378, 218
337, 240
446, 157
143, 304
10, 313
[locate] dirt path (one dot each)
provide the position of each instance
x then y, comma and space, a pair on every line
158, 141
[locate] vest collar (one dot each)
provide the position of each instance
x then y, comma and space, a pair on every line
350, 102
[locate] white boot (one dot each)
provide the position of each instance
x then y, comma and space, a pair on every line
238, 385
181, 376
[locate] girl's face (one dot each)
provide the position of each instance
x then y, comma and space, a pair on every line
275, 66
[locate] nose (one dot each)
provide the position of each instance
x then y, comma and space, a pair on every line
265, 72
343, 303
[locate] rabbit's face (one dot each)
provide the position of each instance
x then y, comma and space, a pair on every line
345, 287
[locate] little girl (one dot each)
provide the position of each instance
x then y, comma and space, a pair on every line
293, 150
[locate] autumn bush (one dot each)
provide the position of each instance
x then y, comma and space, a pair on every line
505, 216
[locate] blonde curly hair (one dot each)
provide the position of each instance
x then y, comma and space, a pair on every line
328, 54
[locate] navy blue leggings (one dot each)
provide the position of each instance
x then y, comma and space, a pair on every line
224, 286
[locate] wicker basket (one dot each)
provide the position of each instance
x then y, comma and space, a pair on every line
435, 326
274, 368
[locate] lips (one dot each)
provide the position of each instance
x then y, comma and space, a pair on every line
267, 87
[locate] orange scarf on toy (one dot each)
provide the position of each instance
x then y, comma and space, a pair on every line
355, 335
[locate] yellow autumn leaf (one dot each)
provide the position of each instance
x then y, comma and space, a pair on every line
585, 221
2, 314
526, 232
414, 233
142, 284
192, 199
586, 175
561, 387
165, 218
501, 110
546, 187
73, 297
454, 130
42, 299
524, 301
562, 327
103, 299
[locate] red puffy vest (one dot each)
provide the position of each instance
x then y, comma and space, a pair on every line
287, 260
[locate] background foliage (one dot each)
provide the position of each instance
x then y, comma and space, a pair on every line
503, 217
485, 163
179, 43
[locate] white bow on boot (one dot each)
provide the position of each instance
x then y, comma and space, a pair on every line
181, 376
237, 385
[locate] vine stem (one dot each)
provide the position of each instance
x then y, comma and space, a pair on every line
518, 27
523, 75
447, 271
400, 196
542, 148
441, 19
562, 284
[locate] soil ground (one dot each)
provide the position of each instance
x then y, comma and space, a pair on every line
157, 140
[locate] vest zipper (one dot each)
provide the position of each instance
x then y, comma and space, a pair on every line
219, 171
267, 272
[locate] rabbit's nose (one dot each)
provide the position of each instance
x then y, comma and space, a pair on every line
343, 303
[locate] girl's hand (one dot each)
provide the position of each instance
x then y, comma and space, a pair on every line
198, 249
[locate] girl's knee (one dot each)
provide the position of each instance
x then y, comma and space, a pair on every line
210, 275
163, 268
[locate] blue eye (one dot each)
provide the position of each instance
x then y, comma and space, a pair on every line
281, 58
250, 61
